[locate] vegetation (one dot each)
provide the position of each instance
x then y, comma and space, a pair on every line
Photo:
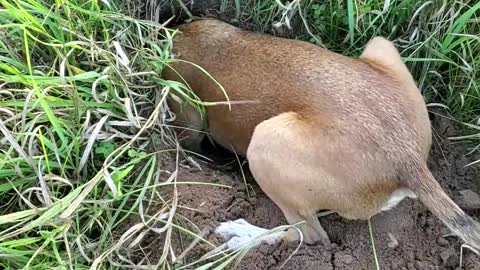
82, 107
81, 104
439, 40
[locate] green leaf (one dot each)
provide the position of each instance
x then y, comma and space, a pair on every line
119, 175
105, 149
351, 20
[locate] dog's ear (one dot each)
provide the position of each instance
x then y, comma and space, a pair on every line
382, 54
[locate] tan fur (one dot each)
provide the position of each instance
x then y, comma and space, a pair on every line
329, 132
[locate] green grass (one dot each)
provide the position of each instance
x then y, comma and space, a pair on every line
438, 40
82, 107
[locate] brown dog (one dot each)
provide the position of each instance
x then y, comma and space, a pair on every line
327, 131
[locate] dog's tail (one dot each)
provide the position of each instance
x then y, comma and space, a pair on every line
421, 181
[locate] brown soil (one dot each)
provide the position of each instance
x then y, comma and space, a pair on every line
418, 233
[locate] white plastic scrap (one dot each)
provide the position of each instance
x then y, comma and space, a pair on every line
240, 232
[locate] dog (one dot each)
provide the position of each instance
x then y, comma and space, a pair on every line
319, 130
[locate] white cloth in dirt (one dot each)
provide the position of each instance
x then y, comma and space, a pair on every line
240, 232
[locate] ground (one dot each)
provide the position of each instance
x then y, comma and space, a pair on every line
407, 237
420, 237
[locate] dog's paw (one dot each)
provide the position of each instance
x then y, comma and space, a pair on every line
239, 233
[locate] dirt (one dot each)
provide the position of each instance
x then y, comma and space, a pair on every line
407, 237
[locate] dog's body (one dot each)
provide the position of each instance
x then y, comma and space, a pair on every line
323, 131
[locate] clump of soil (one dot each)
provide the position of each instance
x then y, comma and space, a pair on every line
407, 237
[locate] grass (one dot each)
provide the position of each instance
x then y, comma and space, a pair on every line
82, 107
372, 243
83, 117
438, 40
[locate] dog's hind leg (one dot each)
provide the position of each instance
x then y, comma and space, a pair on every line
280, 160
311, 229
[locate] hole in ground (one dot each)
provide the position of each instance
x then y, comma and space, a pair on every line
223, 159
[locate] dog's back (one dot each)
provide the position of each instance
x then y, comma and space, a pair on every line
281, 75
